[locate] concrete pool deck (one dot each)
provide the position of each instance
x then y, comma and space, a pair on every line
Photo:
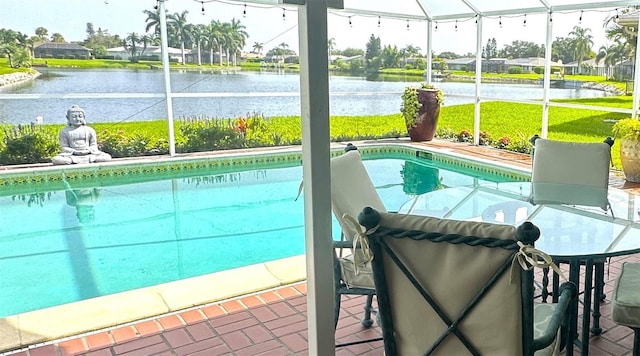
166, 318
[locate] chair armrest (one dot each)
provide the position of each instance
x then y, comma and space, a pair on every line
567, 303
342, 244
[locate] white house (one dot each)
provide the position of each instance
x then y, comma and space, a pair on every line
122, 53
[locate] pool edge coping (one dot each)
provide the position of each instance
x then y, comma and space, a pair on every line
105, 312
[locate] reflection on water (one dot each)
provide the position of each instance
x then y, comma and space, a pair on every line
267, 93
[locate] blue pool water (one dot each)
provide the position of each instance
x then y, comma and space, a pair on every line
60, 246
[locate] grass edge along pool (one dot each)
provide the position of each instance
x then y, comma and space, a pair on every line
26, 329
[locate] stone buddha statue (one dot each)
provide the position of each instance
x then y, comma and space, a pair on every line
78, 142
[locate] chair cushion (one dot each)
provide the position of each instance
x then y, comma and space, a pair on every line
501, 306
362, 279
570, 173
625, 302
351, 191
542, 313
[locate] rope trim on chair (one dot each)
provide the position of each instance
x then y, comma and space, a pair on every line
360, 239
529, 257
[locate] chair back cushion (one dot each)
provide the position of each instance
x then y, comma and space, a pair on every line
453, 274
351, 189
570, 173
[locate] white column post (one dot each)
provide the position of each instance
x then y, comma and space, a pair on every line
636, 76
429, 69
546, 81
476, 112
314, 100
167, 75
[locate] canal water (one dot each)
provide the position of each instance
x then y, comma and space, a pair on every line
133, 95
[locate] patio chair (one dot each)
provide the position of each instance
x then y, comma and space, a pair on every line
448, 287
351, 191
572, 173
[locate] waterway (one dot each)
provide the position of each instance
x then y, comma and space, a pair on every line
128, 95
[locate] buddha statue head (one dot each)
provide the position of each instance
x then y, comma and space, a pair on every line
75, 116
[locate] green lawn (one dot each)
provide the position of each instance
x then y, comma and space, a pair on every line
498, 119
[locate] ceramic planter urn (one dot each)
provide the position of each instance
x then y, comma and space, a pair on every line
427, 121
630, 157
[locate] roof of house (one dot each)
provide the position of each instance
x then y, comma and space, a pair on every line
463, 60
61, 45
531, 61
590, 61
148, 50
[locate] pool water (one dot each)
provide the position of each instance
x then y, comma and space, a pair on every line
60, 246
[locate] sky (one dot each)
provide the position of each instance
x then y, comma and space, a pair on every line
268, 26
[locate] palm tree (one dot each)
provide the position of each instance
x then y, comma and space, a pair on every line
181, 29
283, 46
238, 37
331, 44
613, 55
146, 40
214, 34
581, 41
57, 37
42, 33
199, 35
258, 47
130, 43
153, 21
225, 40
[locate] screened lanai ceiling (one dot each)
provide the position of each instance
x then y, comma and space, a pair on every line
437, 10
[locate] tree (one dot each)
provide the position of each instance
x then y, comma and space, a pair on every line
57, 37
180, 28
130, 43
390, 56
448, 55
372, 54
90, 30
581, 43
42, 33
14, 46
199, 36
612, 55
258, 47
214, 38
561, 50
409, 51
521, 49
100, 41
238, 37
147, 40
491, 49
351, 52
331, 45
152, 21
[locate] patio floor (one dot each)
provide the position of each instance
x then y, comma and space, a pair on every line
273, 322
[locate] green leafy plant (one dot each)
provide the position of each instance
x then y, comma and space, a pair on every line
411, 106
26, 144
628, 128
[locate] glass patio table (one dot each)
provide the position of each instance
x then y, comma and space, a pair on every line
572, 235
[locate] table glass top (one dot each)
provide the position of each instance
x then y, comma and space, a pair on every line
566, 230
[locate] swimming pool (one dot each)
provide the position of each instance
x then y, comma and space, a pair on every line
73, 235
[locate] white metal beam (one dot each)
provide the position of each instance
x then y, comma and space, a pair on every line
166, 67
314, 100
636, 78
476, 108
546, 79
